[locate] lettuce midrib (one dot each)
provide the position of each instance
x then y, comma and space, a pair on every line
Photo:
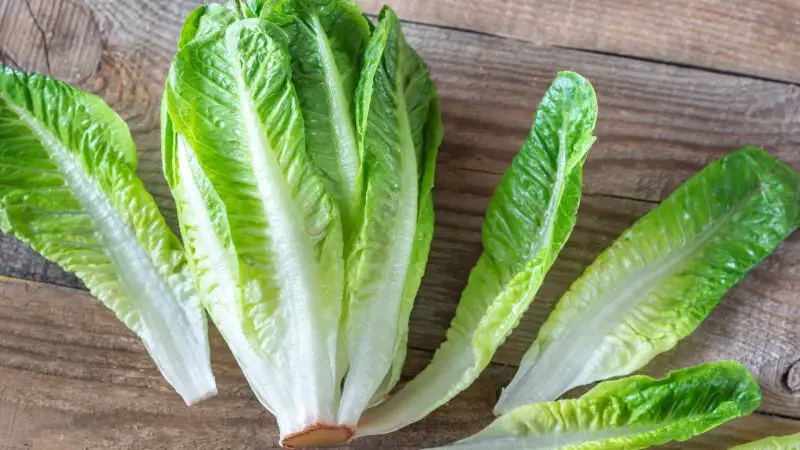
170, 328
138, 276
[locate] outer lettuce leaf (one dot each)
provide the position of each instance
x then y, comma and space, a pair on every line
422, 245
263, 234
632, 413
212, 257
204, 22
393, 113
791, 442
326, 41
658, 282
244, 9
68, 188
527, 223
262, 7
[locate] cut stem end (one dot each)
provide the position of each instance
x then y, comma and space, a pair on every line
318, 435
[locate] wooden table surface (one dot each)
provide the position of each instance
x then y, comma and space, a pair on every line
679, 84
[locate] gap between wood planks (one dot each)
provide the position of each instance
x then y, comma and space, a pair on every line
682, 65
603, 53
736, 37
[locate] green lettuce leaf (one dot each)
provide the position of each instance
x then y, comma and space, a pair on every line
631, 413
264, 237
244, 9
527, 223
68, 188
791, 442
658, 282
326, 42
205, 21
422, 245
398, 133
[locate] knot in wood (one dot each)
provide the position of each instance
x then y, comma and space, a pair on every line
793, 377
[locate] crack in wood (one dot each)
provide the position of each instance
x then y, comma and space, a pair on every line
45, 42
731, 73
6, 58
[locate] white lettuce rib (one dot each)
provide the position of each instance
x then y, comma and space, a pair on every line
308, 393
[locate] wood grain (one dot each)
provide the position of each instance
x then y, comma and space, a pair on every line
57, 37
74, 377
71, 376
741, 36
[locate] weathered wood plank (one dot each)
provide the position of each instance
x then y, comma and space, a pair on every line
659, 124
74, 377
756, 38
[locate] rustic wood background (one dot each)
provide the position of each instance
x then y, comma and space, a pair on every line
679, 85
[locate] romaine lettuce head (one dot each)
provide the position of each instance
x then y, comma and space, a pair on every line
301, 150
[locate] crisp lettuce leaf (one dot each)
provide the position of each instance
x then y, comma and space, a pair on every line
422, 245
263, 235
791, 442
244, 9
68, 188
398, 135
205, 21
632, 413
212, 257
327, 39
527, 223
326, 42
663, 276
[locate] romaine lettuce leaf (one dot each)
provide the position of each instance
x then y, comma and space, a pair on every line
263, 235
527, 223
791, 442
68, 188
398, 133
663, 276
631, 413
244, 9
326, 42
205, 21
422, 244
